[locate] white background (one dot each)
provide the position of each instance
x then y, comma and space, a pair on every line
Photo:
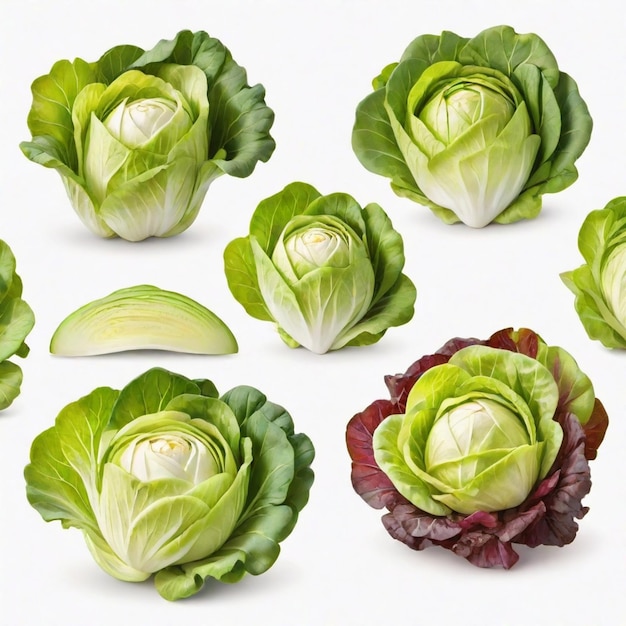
316, 60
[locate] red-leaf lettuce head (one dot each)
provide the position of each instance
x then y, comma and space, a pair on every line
549, 513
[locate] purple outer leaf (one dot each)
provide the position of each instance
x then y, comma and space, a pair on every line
368, 480
400, 384
594, 430
564, 502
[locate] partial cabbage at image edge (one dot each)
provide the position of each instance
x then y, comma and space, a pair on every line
16, 321
600, 283
481, 445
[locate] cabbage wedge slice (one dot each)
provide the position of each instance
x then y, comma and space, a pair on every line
142, 317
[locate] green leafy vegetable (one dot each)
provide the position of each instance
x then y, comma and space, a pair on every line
138, 136
600, 284
142, 317
16, 321
163, 477
476, 129
325, 270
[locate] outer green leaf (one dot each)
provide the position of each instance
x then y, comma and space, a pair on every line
7, 269
274, 464
526, 206
80, 427
593, 237
16, 321
49, 152
116, 61
575, 134
597, 319
182, 581
53, 100
186, 48
54, 487
10, 383
602, 233
576, 393
375, 145
434, 48
543, 109
247, 402
530, 380
207, 387
241, 276
304, 453
394, 308
149, 393
389, 457
272, 214
503, 49
63, 477
259, 535
243, 128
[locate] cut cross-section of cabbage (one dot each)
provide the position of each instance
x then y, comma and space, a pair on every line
142, 317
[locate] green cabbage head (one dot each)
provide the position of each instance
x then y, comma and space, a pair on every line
600, 284
477, 435
326, 271
477, 129
163, 477
138, 136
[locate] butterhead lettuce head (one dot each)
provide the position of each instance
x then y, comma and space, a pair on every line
477, 129
166, 478
138, 136
327, 272
481, 445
